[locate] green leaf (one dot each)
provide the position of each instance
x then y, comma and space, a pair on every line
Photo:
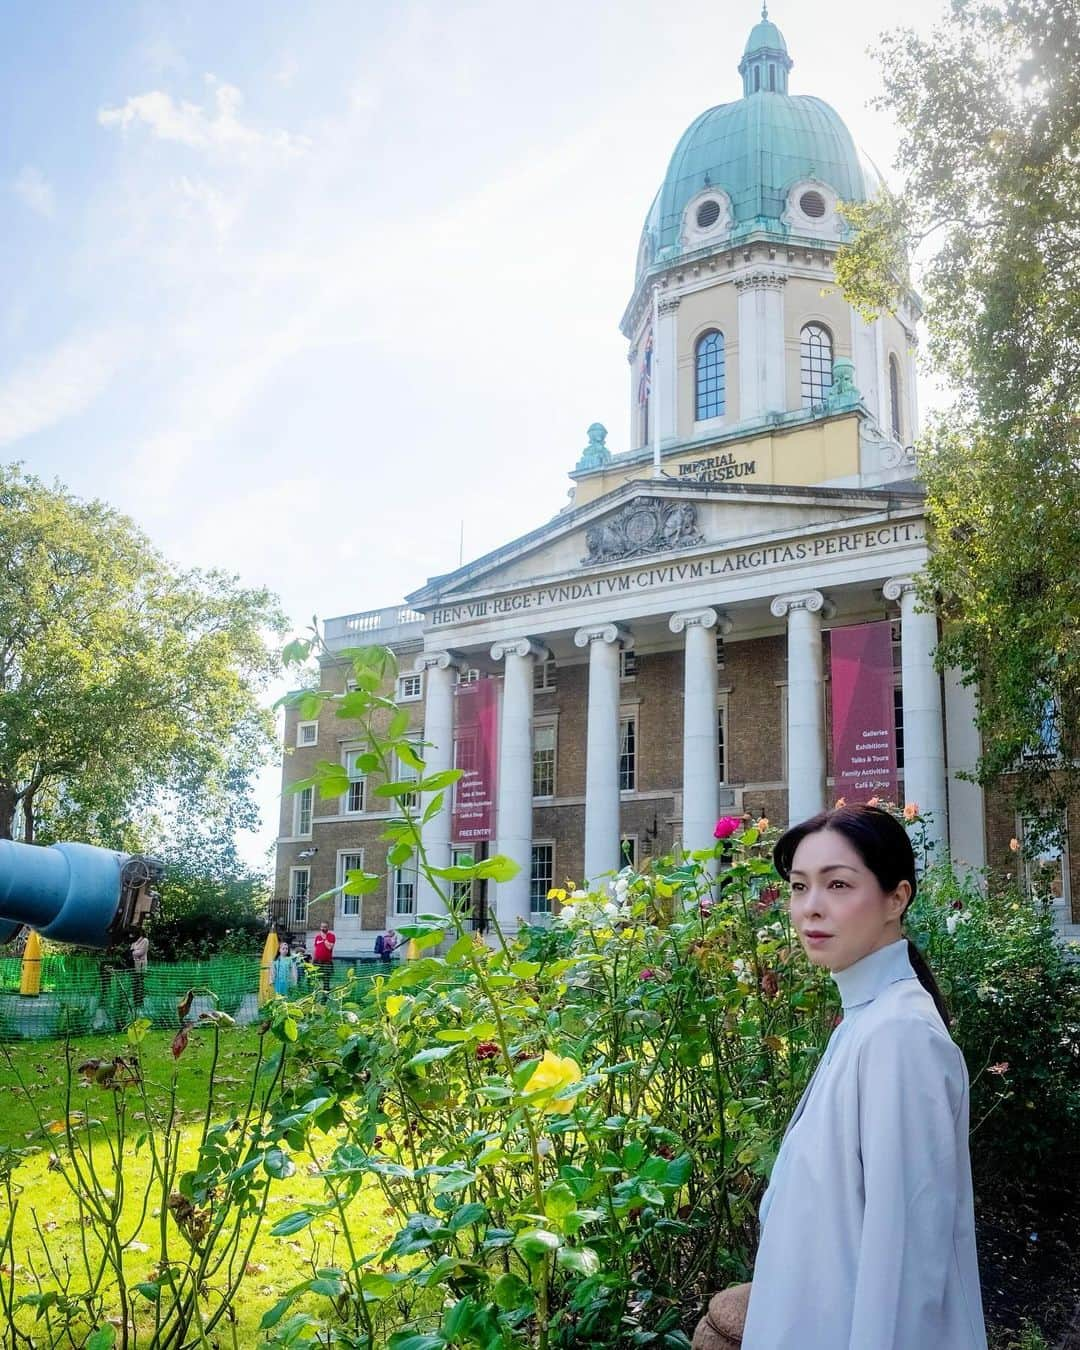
331, 780
407, 754
360, 883
290, 1029
150, 1291
406, 1340
296, 652
510, 1292
559, 1201
498, 868
399, 724
525, 969
104, 1338
400, 853
534, 1244
136, 1032
273, 1315
402, 787
431, 1054
278, 1163
437, 781
467, 1214
292, 1223
581, 1260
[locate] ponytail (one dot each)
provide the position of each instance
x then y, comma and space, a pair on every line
926, 978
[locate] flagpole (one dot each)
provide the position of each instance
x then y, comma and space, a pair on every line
654, 392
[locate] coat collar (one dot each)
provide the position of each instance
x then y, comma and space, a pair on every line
862, 982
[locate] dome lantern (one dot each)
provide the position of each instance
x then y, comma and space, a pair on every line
765, 62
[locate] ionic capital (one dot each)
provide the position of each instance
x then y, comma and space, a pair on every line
811, 601
439, 661
519, 647
603, 632
699, 618
896, 587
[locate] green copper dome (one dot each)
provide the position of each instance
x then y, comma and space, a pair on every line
754, 151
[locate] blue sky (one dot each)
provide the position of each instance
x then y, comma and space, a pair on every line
306, 288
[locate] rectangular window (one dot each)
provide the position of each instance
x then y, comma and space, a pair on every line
544, 676
898, 722
299, 894
628, 851
404, 882
627, 664
719, 651
410, 688
302, 811
544, 761
721, 738
540, 878
349, 862
407, 774
357, 793
628, 754
461, 892
468, 676
307, 733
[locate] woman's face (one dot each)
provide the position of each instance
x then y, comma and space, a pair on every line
837, 905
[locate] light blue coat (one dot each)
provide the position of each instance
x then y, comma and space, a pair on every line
868, 1226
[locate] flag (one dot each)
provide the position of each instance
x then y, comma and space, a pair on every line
645, 382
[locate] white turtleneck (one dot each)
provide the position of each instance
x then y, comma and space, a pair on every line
867, 1228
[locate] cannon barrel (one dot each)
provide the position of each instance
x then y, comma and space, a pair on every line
74, 892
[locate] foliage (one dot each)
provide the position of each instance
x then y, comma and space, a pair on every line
1015, 1000
203, 913
125, 683
989, 107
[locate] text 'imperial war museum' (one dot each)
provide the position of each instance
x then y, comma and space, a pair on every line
738, 632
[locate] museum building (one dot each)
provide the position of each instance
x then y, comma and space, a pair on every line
669, 647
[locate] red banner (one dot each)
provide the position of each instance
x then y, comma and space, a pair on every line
863, 720
476, 748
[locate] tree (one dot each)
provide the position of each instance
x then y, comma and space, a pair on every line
989, 108
128, 687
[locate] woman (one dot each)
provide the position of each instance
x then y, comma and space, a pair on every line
867, 1227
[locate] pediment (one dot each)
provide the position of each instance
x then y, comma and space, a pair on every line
655, 520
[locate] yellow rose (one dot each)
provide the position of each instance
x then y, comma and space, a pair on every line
550, 1075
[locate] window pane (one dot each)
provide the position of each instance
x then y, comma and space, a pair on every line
815, 363
404, 890
544, 761
299, 891
721, 717
540, 880
303, 810
711, 377
350, 862
894, 395
627, 755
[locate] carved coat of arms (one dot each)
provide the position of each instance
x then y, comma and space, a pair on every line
648, 525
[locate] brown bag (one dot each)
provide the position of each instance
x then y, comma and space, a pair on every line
722, 1326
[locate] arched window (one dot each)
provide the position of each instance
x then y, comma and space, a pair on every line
772, 79
815, 364
710, 380
757, 78
894, 397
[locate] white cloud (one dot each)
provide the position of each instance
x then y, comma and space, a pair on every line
214, 127
34, 190
49, 388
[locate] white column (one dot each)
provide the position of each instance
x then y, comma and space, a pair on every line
967, 819
701, 767
602, 746
806, 702
924, 741
667, 368
514, 812
864, 350
440, 672
762, 379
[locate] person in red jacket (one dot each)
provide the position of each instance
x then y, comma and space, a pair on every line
323, 953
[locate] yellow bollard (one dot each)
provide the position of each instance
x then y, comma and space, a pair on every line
412, 951
30, 977
266, 978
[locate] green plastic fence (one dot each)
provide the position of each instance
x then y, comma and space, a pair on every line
81, 995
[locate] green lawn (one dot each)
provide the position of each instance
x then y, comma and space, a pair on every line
33, 1078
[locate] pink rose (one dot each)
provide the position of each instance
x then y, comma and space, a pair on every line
647, 974
726, 827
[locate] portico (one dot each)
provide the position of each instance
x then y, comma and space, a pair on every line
657, 572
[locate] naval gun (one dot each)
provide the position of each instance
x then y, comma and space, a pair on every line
75, 892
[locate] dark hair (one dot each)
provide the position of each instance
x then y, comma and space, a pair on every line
883, 844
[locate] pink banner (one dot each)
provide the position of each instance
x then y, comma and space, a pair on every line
863, 721
476, 741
